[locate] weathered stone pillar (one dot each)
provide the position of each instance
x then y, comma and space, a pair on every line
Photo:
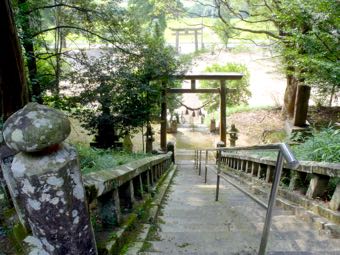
171, 147
47, 181
220, 144
296, 179
335, 201
270, 173
212, 125
301, 105
317, 186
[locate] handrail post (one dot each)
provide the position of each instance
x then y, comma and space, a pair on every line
271, 204
218, 178
200, 163
195, 160
206, 167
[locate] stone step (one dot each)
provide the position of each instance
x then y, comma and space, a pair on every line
239, 253
234, 245
192, 222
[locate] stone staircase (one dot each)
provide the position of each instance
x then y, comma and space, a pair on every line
191, 222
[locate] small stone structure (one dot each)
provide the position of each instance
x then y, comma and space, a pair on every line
149, 138
232, 132
45, 182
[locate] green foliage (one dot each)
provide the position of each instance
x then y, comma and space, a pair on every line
321, 146
203, 8
312, 43
93, 159
237, 97
125, 89
305, 33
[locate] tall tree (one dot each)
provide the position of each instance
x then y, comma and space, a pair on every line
13, 88
28, 45
306, 32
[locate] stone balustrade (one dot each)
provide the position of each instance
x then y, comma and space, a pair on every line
113, 191
261, 169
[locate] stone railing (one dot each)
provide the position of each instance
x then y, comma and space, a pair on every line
52, 199
262, 170
113, 191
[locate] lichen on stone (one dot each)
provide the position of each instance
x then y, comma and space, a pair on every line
34, 204
36, 127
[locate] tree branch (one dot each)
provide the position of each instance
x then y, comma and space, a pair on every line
87, 31
81, 9
257, 32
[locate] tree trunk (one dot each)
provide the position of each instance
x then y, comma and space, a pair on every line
13, 87
30, 54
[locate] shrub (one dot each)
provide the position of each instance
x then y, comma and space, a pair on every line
321, 146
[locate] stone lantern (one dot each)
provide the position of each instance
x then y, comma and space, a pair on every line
149, 138
233, 131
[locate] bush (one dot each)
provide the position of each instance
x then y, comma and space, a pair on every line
321, 146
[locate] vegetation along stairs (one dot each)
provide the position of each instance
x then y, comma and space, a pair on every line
192, 222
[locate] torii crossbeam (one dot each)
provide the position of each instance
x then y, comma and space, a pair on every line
222, 77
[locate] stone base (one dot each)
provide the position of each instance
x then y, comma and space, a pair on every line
291, 129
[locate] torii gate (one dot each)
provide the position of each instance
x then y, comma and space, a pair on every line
222, 77
196, 31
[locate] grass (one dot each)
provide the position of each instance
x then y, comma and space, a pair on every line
92, 159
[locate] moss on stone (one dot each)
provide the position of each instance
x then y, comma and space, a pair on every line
17, 234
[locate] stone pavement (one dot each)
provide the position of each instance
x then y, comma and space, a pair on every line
191, 222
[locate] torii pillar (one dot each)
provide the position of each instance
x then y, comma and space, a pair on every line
163, 119
223, 112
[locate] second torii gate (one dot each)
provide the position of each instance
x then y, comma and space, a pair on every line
222, 77
196, 31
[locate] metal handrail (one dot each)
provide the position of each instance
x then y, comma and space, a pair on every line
285, 153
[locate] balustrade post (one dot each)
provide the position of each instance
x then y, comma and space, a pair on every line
317, 185
296, 179
269, 173
335, 201
148, 182
220, 144
141, 185
46, 180
117, 205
